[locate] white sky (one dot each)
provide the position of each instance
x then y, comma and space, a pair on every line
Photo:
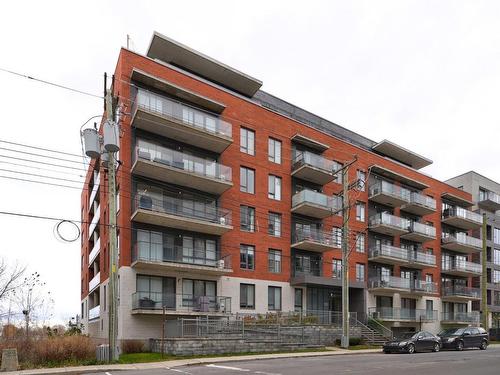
424, 74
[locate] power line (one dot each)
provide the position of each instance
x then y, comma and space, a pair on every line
41, 169
41, 162
41, 175
39, 148
51, 83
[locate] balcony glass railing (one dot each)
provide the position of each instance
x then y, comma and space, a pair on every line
311, 268
462, 213
95, 188
461, 265
95, 250
95, 220
385, 218
423, 286
422, 200
317, 236
390, 282
424, 229
462, 238
469, 317
95, 312
159, 253
461, 291
313, 197
189, 163
183, 113
423, 258
389, 251
386, 188
146, 300
94, 282
398, 313
489, 196
313, 160
183, 208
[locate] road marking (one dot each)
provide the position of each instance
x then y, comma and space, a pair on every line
228, 368
176, 370
266, 373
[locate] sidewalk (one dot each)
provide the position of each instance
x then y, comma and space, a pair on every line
185, 362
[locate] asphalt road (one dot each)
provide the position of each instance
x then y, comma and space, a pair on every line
445, 362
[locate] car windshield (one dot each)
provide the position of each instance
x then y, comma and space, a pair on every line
407, 335
452, 332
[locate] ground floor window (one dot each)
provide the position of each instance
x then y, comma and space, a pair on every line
274, 298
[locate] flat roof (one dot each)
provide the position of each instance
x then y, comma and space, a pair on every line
177, 54
401, 154
385, 172
456, 199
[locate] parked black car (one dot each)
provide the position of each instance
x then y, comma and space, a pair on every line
460, 338
413, 342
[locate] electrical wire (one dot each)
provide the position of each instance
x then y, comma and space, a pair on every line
39, 148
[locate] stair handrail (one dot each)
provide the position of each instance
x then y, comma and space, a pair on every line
380, 328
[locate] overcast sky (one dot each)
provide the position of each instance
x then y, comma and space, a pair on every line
424, 74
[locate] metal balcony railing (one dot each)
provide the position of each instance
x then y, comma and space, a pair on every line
469, 317
182, 113
424, 229
461, 238
421, 257
313, 197
385, 218
386, 188
95, 250
390, 282
189, 163
95, 312
161, 252
313, 160
461, 265
422, 200
461, 291
182, 207
94, 282
315, 235
389, 251
314, 268
147, 300
462, 213
95, 220
491, 196
402, 314
422, 286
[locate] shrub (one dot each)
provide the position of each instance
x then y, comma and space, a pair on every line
352, 341
132, 346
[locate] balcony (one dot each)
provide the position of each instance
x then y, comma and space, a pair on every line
172, 119
312, 167
95, 251
461, 218
163, 164
459, 293
461, 268
386, 223
314, 240
179, 304
95, 189
420, 204
461, 242
181, 214
95, 313
398, 314
419, 232
419, 259
159, 257
389, 284
466, 318
489, 201
423, 288
94, 283
388, 194
95, 221
313, 204
389, 255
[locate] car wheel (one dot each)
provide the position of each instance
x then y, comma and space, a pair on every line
460, 346
484, 345
411, 349
436, 347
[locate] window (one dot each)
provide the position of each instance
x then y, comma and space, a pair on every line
274, 298
337, 268
337, 237
360, 242
496, 235
247, 218
496, 256
247, 257
247, 296
298, 299
274, 224
274, 259
104, 304
117, 200
247, 141
496, 276
274, 151
337, 204
483, 194
360, 272
428, 278
338, 176
247, 180
361, 175
274, 191
360, 211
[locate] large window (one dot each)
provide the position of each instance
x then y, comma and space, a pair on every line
360, 211
337, 268
247, 218
247, 296
360, 242
338, 176
360, 272
496, 235
337, 237
274, 224
247, 141
274, 151
298, 299
247, 257
496, 276
274, 261
247, 180
274, 187
361, 175
274, 298
496, 256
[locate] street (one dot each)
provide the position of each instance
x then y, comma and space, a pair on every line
445, 362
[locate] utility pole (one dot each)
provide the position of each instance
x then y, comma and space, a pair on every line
484, 296
345, 258
113, 253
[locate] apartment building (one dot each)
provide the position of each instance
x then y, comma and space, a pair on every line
486, 197
229, 204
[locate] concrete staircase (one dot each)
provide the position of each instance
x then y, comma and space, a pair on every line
371, 336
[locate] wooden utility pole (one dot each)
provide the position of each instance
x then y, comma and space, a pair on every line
484, 280
345, 257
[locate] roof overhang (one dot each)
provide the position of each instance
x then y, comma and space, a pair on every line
457, 199
385, 172
177, 91
401, 154
177, 54
311, 143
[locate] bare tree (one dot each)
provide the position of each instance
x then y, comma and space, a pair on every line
11, 278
